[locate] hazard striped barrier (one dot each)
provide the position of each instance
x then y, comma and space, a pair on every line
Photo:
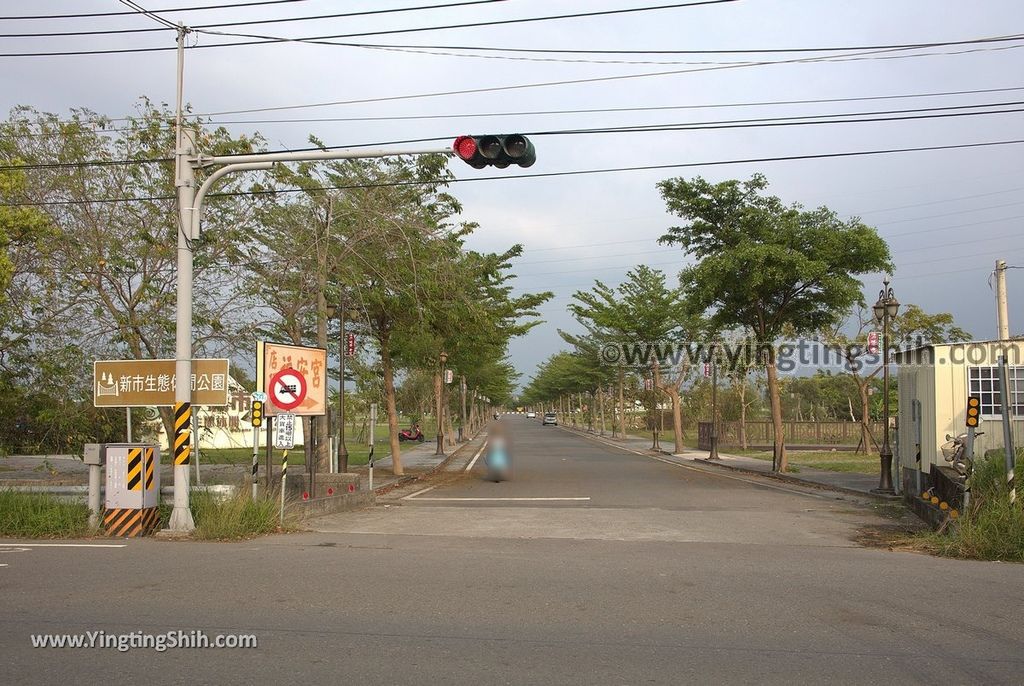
130, 522
182, 435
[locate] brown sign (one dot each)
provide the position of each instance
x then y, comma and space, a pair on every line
309, 363
152, 383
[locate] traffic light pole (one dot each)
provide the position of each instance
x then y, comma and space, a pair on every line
190, 209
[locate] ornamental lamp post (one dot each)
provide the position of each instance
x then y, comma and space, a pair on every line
443, 359
885, 310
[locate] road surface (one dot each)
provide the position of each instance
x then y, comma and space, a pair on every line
593, 566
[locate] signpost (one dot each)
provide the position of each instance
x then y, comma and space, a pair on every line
295, 362
284, 439
151, 383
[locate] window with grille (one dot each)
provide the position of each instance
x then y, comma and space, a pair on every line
984, 383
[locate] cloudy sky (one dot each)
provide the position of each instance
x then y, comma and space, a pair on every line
947, 214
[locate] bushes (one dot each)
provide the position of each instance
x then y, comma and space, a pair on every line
41, 515
993, 529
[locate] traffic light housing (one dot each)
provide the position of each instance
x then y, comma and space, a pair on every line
256, 413
495, 151
973, 411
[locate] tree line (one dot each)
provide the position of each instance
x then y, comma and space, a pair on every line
88, 224
756, 271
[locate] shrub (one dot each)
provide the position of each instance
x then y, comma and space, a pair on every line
41, 515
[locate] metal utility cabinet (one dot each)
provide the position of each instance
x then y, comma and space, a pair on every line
133, 489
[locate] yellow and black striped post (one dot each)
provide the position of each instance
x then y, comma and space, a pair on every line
133, 477
284, 482
148, 465
182, 445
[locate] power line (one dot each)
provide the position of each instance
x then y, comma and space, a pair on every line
797, 120
83, 15
142, 10
695, 51
521, 86
576, 172
100, 32
259, 40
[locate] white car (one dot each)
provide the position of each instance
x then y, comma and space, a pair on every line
531, 414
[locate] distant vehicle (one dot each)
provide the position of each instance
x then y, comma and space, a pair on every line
413, 434
531, 415
549, 418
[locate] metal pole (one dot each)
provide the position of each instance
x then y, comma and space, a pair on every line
181, 515
885, 455
94, 495
462, 402
270, 453
373, 427
314, 451
343, 352
713, 455
195, 443
284, 482
128, 423
1001, 309
1008, 447
255, 460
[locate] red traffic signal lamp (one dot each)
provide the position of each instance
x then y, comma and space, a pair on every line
495, 151
973, 411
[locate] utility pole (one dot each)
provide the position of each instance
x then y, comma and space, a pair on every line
184, 182
1002, 318
342, 353
463, 429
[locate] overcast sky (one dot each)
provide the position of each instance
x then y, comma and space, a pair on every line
946, 214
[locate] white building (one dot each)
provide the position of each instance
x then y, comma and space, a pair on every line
934, 384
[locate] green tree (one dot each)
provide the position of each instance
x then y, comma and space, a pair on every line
767, 266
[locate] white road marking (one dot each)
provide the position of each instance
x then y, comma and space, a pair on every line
503, 499
413, 495
476, 457
3, 565
70, 545
8, 549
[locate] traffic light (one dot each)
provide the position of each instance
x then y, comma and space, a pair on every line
497, 151
973, 411
256, 413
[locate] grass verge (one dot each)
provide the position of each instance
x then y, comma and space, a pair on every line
41, 515
993, 529
237, 516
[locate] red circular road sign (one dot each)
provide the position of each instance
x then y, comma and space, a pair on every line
287, 389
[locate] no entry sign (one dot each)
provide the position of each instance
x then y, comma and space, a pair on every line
287, 389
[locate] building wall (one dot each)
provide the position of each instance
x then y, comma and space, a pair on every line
937, 376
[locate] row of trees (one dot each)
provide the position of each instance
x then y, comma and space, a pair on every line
92, 273
757, 270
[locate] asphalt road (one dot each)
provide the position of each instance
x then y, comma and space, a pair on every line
596, 566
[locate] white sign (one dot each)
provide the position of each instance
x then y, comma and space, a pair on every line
449, 376
284, 431
259, 396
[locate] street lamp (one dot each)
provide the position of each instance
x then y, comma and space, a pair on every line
443, 358
339, 310
885, 309
713, 454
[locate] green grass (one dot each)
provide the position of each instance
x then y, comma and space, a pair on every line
234, 517
357, 454
41, 515
992, 529
837, 461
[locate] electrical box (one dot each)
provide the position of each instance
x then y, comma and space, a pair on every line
133, 489
92, 453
